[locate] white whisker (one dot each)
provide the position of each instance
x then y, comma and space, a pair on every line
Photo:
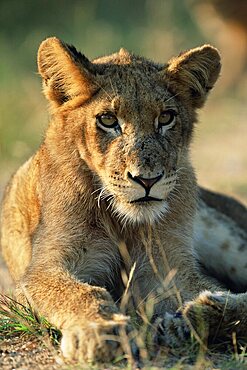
95, 191
172, 97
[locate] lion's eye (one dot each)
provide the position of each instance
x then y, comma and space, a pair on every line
107, 120
166, 117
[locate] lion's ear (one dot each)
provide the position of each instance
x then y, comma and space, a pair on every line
66, 72
193, 74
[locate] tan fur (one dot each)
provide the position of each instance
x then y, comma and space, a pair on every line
71, 229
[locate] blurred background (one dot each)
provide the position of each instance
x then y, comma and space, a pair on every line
157, 29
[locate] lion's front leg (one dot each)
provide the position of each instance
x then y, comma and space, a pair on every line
90, 322
86, 314
209, 317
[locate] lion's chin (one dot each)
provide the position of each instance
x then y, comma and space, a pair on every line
146, 199
140, 212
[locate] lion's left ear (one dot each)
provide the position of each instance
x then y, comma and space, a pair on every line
193, 74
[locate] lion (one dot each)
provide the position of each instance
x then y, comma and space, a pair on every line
109, 207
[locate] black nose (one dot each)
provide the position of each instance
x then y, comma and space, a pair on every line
144, 182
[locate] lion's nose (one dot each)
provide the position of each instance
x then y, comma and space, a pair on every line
146, 183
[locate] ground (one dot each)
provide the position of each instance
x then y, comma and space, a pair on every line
29, 353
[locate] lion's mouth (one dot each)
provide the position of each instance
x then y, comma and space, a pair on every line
146, 199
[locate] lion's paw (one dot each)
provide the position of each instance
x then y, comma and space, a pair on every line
171, 330
88, 344
204, 318
97, 342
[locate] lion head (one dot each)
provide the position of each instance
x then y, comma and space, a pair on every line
128, 121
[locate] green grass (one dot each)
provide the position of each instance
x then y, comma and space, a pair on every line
17, 319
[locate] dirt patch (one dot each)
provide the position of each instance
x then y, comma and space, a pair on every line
27, 353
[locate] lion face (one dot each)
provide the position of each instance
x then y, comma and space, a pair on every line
134, 144
132, 121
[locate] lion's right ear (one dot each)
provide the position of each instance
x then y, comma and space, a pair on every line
66, 72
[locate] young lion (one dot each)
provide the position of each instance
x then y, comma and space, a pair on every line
111, 194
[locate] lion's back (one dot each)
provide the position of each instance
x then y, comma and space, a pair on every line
220, 239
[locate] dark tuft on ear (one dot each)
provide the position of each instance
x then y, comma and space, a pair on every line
193, 74
81, 58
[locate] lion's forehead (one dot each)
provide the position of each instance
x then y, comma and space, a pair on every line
131, 81
136, 95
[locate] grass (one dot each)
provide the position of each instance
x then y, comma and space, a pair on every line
17, 320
